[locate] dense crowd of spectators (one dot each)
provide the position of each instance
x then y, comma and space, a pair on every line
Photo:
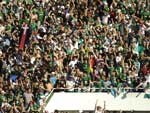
71, 44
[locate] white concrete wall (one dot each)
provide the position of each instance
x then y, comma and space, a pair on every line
87, 101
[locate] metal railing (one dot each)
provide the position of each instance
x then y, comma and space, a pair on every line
88, 89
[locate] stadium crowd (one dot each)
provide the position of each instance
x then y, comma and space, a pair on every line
46, 44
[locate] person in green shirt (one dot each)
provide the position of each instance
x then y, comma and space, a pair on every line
21, 21
86, 66
7, 1
111, 69
1, 16
2, 98
86, 80
146, 14
29, 2
119, 70
122, 28
98, 84
119, 83
9, 27
33, 107
34, 26
68, 51
41, 15
131, 10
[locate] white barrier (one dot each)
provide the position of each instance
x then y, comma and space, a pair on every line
86, 101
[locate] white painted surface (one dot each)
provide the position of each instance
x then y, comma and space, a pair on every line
87, 101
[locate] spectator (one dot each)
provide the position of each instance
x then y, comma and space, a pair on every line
71, 44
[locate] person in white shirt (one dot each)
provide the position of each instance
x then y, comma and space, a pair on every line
118, 58
70, 84
73, 62
142, 84
105, 19
148, 78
